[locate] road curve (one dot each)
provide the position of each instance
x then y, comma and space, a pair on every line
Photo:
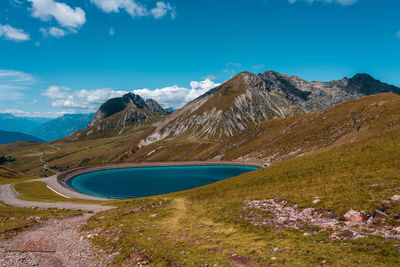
10, 197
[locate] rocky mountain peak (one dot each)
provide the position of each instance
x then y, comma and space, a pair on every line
119, 104
365, 84
248, 99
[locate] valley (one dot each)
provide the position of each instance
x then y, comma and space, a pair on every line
328, 193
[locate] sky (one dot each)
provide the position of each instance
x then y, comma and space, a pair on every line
70, 56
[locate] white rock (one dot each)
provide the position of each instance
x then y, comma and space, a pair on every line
316, 201
395, 198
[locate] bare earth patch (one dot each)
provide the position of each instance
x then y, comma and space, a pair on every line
55, 242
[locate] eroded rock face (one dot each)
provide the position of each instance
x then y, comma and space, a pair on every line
248, 99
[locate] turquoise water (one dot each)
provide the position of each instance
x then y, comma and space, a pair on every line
141, 182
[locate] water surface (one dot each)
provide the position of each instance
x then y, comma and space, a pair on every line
147, 181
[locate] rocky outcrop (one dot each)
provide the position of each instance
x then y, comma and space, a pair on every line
248, 99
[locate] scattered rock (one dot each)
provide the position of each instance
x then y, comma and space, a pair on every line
370, 221
353, 216
381, 213
153, 215
280, 215
316, 201
111, 256
395, 198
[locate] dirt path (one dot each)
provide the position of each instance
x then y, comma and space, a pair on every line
180, 205
55, 242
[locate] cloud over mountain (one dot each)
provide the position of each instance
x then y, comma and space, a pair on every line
89, 100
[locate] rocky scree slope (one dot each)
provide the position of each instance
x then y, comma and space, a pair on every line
248, 99
116, 114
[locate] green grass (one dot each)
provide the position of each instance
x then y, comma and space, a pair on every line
202, 226
14, 220
38, 191
8, 176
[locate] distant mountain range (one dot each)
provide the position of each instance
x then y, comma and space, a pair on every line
61, 127
9, 122
46, 129
11, 137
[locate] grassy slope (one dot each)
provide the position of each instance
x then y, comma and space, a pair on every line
203, 225
65, 154
8, 176
37, 191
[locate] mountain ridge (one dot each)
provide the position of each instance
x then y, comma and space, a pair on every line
7, 137
248, 99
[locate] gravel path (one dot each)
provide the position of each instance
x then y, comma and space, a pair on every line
9, 196
55, 242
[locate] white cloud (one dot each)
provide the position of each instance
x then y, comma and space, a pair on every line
13, 34
65, 15
90, 100
53, 31
112, 31
234, 64
398, 34
210, 77
135, 9
162, 9
175, 96
35, 114
82, 100
342, 2
257, 67
12, 82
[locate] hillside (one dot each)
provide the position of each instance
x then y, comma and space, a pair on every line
11, 137
329, 198
248, 99
269, 141
282, 138
62, 126
334, 207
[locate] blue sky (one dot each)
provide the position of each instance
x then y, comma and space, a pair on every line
60, 56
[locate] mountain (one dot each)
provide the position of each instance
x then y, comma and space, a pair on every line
128, 101
9, 122
118, 114
11, 137
61, 127
248, 99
